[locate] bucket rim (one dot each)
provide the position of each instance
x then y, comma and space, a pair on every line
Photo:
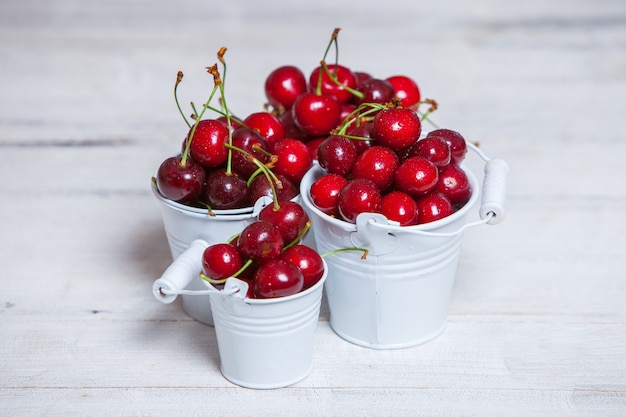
277, 300
307, 181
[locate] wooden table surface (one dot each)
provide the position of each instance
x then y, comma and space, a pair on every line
537, 319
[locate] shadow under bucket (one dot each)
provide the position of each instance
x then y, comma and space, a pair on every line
398, 296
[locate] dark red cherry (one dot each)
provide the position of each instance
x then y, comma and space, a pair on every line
433, 206
416, 176
397, 128
325, 192
178, 182
400, 207
224, 191
251, 142
260, 187
221, 261
406, 90
277, 278
337, 154
363, 131
454, 184
308, 261
284, 85
313, 146
320, 79
455, 140
289, 217
207, 145
359, 196
376, 90
377, 164
260, 241
316, 115
433, 148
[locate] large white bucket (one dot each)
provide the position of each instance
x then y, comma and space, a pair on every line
263, 343
184, 224
399, 295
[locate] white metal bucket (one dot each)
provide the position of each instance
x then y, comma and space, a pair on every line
399, 295
263, 343
184, 224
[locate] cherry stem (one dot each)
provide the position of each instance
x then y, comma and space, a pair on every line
179, 78
334, 251
358, 114
333, 78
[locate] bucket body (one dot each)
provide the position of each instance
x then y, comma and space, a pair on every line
267, 343
399, 295
185, 224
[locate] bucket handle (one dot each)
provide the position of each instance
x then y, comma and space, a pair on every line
493, 198
186, 267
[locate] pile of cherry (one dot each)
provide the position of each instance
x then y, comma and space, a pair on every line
366, 132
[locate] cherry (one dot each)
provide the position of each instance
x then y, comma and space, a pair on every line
320, 81
260, 241
284, 85
400, 207
378, 164
221, 261
293, 159
313, 146
361, 77
269, 127
363, 131
224, 190
292, 130
251, 142
406, 90
337, 154
207, 145
325, 192
288, 216
416, 176
433, 206
178, 181
260, 187
360, 195
315, 114
308, 261
433, 148
376, 90
397, 128
455, 140
277, 278
454, 184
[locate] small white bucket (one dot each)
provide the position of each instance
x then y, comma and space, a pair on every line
263, 343
184, 224
399, 295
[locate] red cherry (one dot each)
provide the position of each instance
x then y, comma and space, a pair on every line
207, 145
360, 195
376, 90
221, 261
292, 130
361, 77
325, 192
269, 127
378, 164
289, 217
433, 206
315, 114
260, 187
277, 278
313, 145
224, 191
293, 159
416, 176
406, 90
252, 142
284, 85
433, 148
260, 241
327, 86
397, 128
400, 207
337, 154
308, 261
454, 184
455, 140
180, 183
